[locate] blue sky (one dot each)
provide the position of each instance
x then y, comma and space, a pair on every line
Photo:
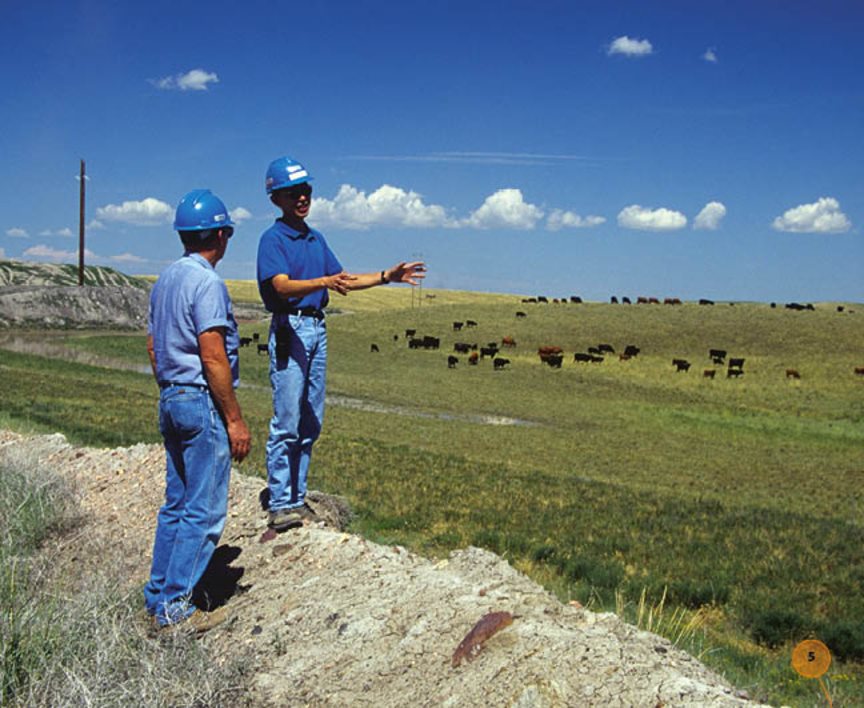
684, 149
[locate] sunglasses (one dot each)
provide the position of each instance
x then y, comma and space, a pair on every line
228, 231
301, 190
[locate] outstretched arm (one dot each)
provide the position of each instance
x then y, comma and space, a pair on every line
410, 273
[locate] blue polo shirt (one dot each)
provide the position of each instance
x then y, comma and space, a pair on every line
282, 250
188, 299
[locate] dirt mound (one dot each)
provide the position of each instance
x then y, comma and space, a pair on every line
329, 618
73, 307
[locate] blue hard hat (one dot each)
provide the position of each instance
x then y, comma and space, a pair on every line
285, 172
201, 210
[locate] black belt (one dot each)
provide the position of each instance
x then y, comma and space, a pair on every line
169, 384
305, 312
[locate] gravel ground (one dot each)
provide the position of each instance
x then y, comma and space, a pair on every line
328, 618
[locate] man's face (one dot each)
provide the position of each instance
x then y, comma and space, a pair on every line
296, 200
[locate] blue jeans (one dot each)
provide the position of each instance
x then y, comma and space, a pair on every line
198, 467
298, 368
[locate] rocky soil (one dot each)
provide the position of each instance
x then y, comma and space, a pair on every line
329, 618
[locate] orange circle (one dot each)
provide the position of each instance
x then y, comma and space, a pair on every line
811, 658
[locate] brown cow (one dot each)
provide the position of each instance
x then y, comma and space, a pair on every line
548, 350
709, 373
473, 357
859, 370
508, 342
792, 374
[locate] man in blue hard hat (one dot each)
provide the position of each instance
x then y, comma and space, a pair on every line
193, 343
296, 272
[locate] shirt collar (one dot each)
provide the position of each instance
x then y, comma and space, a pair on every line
293, 234
198, 258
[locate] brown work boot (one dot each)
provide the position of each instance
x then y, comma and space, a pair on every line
198, 622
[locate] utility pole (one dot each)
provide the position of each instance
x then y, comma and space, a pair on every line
81, 180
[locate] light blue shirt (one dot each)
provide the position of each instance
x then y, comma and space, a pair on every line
188, 299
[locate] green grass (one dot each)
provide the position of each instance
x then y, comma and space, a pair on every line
740, 499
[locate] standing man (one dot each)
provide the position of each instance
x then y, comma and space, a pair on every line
296, 271
193, 343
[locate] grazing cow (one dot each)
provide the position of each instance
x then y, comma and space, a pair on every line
708, 373
461, 347
410, 332
576, 299
395, 337
631, 350
457, 326
579, 356
542, 298
593, 350
607, 348
840, 308
488, 351
415, 343
734, 372
549, 350
255, 336
245, 341
624, 357
431, 342
596, 359
499, 363
472, 358
262, 348
681, 365
555, 360
626, 300
613, 300
859, 370
717, 355
373, 348
736, 363
705, 301
470, 323
452, 361
797, 306
671, 301
508, 342
653, 301
773, 305
521, 314
792, 374
529, 299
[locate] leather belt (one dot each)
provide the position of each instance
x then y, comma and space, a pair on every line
169, 384
305, 312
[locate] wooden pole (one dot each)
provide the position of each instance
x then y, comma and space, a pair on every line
81, 181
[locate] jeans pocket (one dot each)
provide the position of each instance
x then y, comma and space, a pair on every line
188, 411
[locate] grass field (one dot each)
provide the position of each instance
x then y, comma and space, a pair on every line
740, 499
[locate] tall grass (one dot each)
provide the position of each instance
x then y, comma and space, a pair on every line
69, 638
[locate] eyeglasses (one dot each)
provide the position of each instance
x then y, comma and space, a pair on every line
300, 190
228, 231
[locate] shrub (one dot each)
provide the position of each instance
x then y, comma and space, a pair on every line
845, 639
774, 626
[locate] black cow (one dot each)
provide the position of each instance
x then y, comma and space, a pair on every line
255, 336
576, 299
452, 361
542, 298
631, 350
499, 363
734, 372
736, 363
457, 326
373, 348
717, 355
626, 300
681, 365
593, 350
245, 341
488, 351
431, 342
554, 360
607, 348
521, 314
705, 301
415, 343
579, 356
262, 348
613, 300
410, 332
470, 323
462, 347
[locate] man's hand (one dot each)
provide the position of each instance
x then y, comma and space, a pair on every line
340, 283
410, 273
241, 440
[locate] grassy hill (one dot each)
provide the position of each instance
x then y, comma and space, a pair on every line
31, 273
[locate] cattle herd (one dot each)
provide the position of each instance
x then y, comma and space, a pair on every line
554, 355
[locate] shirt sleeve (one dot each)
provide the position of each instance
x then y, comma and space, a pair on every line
331, 263
272, 260
209, 307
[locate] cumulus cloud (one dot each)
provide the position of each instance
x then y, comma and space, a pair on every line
95, 225
57, 232
821, 217
127, 258
16, 232
195, 80
386, 206
710, 55
559, 219
630, 47
147, 212
506, 209
240, 214
642, 219
56, 255
710, 216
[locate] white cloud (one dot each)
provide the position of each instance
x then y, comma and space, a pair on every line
386, 206
95, 225
821, 217
642, 219
16, 232
58, 232
505, 209
56, 255
195, 80
559, 219
240, 214
710, 55
630, 47
147, 212
710, 216
127, 258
